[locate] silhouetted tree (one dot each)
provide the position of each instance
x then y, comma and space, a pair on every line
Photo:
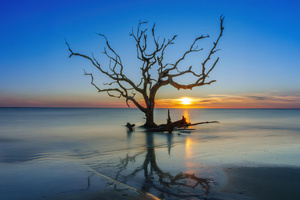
150, 83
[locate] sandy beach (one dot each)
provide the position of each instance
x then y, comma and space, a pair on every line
243, 183
67, 154
100, 187
263, 183
103, 195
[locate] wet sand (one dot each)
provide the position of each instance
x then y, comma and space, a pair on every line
263, 183
102, 195
102, 189
81, 154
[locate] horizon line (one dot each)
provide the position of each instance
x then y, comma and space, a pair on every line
138, 108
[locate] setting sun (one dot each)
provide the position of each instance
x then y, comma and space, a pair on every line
185, 101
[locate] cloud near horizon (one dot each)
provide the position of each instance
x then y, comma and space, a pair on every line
236, 101
210, 101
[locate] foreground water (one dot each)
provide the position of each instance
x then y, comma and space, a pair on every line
65, 153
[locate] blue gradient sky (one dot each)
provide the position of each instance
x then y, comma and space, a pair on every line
259, 63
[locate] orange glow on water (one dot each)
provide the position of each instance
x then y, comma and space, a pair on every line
188, 147
186, 115
189, 154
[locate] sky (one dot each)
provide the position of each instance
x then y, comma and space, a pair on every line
259, 63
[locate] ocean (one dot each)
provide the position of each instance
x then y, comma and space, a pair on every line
67, 153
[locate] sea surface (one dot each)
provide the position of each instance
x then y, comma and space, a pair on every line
50, 153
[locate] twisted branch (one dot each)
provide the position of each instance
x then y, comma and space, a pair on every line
166, 72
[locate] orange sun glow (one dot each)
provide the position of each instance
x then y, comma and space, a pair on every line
185, 101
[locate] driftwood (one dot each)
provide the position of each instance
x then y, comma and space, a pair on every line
130, 126
207, 122
177, 125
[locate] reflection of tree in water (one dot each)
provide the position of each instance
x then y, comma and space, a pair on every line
182, 185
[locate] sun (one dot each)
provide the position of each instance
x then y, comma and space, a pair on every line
185, 101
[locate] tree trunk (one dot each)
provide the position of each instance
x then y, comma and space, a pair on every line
150, 102
150, 119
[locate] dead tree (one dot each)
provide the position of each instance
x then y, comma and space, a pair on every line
150, 83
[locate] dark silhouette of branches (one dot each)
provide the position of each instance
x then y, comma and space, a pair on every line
163, 181
122, 86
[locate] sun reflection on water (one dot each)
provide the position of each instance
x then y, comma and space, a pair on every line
186, 115
190, 163
188, 147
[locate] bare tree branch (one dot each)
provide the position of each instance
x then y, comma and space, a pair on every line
201, 78
150, 58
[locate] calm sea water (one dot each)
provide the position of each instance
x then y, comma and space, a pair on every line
47, 152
